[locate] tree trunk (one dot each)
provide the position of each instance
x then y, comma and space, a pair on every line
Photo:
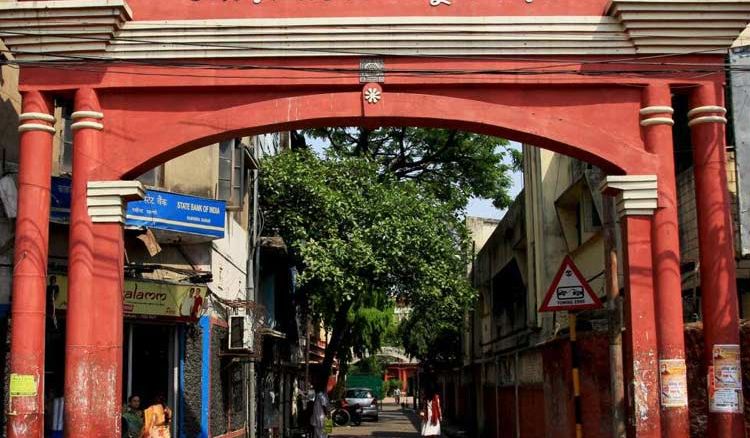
340, 327
298, 140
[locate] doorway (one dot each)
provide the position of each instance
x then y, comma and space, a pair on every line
151, 365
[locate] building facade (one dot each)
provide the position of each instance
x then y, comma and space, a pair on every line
517, 359
194, 257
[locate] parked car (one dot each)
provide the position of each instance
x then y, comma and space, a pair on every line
363, 397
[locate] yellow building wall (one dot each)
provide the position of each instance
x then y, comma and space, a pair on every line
10, 107
547, 175
195, 173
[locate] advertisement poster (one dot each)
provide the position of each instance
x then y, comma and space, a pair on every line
673, 378
725, 393
22, 385
146, 298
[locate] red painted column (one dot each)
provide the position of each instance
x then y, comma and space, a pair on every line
26, 413
656, 122
637, 197
717, 253
641, 366
93, 368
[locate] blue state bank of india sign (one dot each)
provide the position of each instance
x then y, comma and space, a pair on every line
158, 210
175, 212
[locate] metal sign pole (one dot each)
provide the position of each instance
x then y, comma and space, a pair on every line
575, 359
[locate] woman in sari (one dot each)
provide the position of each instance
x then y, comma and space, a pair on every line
156, 419
431, 414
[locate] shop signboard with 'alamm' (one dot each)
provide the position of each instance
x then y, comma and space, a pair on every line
145, 299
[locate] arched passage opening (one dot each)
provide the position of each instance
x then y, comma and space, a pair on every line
561, 129
133, 143
573, 127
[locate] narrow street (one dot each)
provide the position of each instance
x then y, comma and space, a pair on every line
393, 423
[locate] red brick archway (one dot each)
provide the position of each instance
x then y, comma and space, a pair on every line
132, 113
573, 129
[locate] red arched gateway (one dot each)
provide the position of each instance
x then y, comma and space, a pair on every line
153, 80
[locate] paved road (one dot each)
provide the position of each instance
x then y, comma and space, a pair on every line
393, 423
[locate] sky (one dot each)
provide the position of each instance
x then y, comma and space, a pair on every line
484, 208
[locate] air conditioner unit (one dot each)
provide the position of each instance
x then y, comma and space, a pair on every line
241, 336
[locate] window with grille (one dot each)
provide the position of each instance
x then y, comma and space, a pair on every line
66, 142
231, 173
153, 178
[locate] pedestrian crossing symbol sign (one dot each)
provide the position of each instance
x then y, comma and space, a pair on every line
569, 291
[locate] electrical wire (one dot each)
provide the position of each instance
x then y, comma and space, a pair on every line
120, 38
355, 53
466, 76
89, 62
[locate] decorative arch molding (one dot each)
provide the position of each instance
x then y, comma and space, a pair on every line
573, 129
398, 354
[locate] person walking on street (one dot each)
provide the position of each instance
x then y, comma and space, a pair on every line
431, 414
157, 418
320, 408
132, 416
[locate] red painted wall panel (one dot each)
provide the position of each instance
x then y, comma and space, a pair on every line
506, 413
531, 404
559, 411
490, 413
595, 386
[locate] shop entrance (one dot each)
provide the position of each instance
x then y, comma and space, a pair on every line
150, 364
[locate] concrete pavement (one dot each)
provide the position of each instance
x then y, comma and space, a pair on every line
393, 423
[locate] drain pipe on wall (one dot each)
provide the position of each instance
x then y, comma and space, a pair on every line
518, 394
251, 280
614, 307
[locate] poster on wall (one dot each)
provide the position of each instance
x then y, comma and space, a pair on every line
725, 380
673, 379
146, 298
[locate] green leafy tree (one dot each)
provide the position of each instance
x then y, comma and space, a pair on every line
391, 385
362, 238
453, 165
372, 365
432, 333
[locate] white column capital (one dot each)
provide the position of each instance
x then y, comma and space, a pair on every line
656, 115
86, 125
38, 122
637, 195
707, 114
107, 200
87, 115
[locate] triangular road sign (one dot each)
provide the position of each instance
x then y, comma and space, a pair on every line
569, 291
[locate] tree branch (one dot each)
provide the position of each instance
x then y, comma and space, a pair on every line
402, 144
298, 140
363, 142
424, 165
336, 146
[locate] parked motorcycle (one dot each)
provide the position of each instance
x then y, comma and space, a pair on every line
346, 413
